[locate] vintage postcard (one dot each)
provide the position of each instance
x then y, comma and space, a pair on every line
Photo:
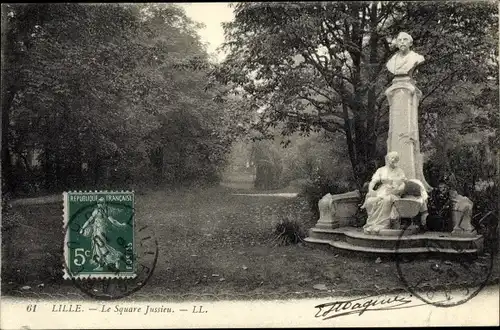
235, 165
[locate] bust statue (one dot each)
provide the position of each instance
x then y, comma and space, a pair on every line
405, 60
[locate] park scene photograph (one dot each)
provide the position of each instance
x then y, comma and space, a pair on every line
250, 151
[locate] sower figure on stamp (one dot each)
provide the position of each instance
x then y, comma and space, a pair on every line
95, 228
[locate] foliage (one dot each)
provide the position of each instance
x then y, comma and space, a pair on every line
268, 161
488, 226
439, 208
469, 167
319, 160
106, 94
471, 172
315, 189
320, 66
316, 152
288, 231
9, 219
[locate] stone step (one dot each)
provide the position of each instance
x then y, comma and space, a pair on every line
317, 240
384, 244
432, 235
354, 239
427, 242
339, 230
329, 234
351, 247
378, 250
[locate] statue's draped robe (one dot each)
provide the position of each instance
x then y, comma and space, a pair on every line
379, 204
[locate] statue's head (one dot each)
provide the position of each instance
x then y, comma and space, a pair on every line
404, 41
392, 159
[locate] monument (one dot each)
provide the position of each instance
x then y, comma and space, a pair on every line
404, 97
396, 201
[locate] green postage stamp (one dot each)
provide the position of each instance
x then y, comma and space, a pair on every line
99, 238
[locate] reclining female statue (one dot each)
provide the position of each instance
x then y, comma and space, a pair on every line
379, 201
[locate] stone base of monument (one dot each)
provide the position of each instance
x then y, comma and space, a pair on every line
399, 232
338, 210
336, 228
354, 239
462, 233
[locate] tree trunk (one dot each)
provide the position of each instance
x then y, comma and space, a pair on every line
7, 179
351, 147
372, 113
359, 110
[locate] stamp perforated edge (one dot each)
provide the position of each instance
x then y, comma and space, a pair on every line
66, 275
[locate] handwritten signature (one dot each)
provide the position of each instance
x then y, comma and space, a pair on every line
362, 305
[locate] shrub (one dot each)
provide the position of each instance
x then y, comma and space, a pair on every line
487, 226
486, 215
320, 182
465, 168
468, 169
288, 231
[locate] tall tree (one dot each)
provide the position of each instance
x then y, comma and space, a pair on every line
107, 85
72, 86
18, 25
322, 65
190, 140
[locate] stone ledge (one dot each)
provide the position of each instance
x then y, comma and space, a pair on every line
348, 238
397, 232
350, 195
433, 235
347, 246
317, 240
339, 230
351, 247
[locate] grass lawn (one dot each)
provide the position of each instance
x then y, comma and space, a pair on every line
202, 234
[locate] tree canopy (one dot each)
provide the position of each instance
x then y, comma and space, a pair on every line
106, 92
321, 66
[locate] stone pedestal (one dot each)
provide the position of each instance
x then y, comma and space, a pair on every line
338, 210
403, 137
412, 230
392, 242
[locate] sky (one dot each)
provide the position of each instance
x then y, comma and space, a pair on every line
212, 15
